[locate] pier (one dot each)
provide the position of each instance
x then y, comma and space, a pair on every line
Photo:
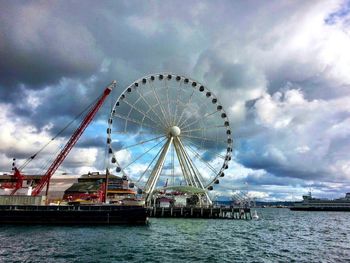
236, 213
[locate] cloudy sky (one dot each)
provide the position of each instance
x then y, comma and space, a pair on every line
280, 68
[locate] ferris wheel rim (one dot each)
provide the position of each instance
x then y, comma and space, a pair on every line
202, 89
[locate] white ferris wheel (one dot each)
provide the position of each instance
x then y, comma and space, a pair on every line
168, 130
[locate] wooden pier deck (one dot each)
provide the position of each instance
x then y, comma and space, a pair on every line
200, 212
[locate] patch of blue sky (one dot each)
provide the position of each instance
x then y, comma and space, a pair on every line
96, 129
342, 12
142, 153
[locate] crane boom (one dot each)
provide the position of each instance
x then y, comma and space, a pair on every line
45, 180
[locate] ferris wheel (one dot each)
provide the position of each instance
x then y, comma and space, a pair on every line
168, 130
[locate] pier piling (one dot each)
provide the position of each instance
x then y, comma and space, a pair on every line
201, 212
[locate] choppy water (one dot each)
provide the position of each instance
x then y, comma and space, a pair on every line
280, 236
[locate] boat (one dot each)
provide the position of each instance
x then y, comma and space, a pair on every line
255, 215
72, 215
81, 205
310, 203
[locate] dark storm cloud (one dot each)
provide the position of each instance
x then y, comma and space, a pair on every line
18, 153
39, 46
55, 46
230, 75
117, 145
95, 142
270, 179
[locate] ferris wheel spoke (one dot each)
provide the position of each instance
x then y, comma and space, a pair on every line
202, 138
162, 121
166, 104
153, 107
197, 155
177, 102
157, 106
150, 164
140, 143
197, 120
126, 123
185, 108
141, 112
145, 132
136, 121
160, 104
143, 154
168, 101
202, 179
201, 147
203, 128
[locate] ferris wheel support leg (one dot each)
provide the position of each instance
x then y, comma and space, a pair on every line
195, 174
187, 164
152, 180
183, 165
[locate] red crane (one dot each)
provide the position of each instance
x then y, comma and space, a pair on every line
45, 180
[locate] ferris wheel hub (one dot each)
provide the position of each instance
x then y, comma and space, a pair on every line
174, 131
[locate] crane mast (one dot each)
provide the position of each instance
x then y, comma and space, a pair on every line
45, 180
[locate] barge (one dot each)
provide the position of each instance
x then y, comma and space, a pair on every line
73, 215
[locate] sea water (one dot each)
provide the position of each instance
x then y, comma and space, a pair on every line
279, 235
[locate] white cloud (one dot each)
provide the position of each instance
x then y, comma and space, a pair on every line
19, 137
258, 195
24, 142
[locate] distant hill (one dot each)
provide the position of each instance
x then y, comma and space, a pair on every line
276, 203
258, 203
